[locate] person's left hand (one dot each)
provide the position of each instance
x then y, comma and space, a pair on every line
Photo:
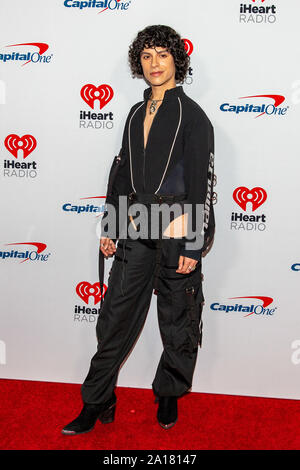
186, 265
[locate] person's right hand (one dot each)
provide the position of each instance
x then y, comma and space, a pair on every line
107, 246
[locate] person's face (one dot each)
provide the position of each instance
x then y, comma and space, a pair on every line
158, 66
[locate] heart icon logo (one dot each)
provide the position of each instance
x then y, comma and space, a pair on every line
13, 143
188, 45
89, 93
243, 195
84, 289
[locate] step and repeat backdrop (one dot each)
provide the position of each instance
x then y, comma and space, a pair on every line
59, 132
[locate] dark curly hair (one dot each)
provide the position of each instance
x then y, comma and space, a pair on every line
159, 36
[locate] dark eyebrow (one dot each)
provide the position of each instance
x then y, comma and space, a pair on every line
164, 50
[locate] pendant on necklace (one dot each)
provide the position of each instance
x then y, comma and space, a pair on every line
153, 107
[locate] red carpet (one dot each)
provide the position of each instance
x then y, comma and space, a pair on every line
33, 413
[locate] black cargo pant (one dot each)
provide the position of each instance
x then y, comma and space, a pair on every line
139, 267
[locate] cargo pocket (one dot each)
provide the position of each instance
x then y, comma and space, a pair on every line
185, 324
194, 311
117, 274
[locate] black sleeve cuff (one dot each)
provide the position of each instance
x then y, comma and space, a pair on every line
194, 254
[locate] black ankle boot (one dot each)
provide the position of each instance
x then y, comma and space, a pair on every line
167, 411
88, 416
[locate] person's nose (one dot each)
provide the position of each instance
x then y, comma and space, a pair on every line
154, 61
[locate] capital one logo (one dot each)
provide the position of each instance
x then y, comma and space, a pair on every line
86, 208
112, 5
295, 267
261, 309
85, 290
90, 93
35, 57
261, 108
32, 255
256, 196
14, 143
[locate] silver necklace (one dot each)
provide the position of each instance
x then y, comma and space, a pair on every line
153, 105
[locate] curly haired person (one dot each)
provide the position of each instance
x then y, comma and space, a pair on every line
167, 159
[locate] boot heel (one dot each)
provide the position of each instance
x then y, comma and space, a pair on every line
108, 416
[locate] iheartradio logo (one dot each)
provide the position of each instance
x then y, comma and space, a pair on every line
14, 144
90, 93
188, 45
257, 13
255, 198
86, 291
20, 147
101, 94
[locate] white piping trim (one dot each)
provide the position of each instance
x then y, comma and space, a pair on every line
129, 144
171, 150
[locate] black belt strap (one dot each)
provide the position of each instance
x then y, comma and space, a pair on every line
156, 198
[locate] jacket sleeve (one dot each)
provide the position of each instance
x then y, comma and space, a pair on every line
119, 184
199, 174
